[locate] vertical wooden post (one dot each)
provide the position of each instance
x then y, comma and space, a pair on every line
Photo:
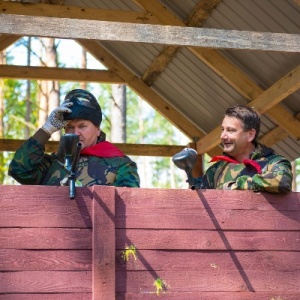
104, 248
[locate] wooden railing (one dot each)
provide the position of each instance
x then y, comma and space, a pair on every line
129, 243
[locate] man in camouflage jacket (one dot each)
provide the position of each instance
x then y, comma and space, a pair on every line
100, 162
246, 164
265, 171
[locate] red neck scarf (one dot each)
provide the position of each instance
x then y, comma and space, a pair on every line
246, 162
102, 149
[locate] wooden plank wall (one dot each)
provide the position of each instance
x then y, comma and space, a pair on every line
123, 243
207, 245
45, 243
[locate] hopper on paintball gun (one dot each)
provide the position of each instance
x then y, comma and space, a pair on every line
68, 154
186, 160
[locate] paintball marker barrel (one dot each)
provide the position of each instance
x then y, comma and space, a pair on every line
68, 153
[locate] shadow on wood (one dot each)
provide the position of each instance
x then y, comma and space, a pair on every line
129, 243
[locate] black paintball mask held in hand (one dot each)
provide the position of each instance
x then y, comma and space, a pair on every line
186, 160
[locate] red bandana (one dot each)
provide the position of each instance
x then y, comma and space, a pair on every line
102, 149
246, 162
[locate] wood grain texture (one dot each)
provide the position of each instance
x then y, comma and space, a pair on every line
204, 244
45, 282
104, 248
148, 33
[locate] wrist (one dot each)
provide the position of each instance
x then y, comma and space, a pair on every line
49, 129
42, 136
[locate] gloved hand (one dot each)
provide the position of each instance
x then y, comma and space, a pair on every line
56, 120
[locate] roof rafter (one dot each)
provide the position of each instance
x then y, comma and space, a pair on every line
200, 13
6, 40
75, 12
225, 69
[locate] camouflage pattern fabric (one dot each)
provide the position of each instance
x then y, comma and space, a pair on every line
31, 165
276, 176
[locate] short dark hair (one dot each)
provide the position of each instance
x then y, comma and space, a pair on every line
249, 117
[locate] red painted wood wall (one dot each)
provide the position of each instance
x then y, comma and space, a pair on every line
123, 243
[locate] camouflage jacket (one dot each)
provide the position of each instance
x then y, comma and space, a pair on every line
30, 165
276, 173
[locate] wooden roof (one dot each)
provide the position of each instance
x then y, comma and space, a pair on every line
189, 59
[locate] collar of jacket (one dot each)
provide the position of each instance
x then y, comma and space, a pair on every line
246, 162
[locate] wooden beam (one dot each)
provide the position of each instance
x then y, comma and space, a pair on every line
274, 136
159, 64
284, 87
148, 33
59, 74
75, 12
276, 93
12, 145
7, 40
201, 12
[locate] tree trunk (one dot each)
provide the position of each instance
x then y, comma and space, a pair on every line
28, 89
118, 113
49, 90
2, 61
83, 85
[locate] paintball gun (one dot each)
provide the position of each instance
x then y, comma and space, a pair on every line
68, 154
186, 160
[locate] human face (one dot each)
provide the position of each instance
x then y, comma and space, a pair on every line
88, 133
236, 141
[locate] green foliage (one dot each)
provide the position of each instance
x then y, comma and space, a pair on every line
160, 286
15, 108
129, 252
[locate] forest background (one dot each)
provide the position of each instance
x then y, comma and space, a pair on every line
26, 104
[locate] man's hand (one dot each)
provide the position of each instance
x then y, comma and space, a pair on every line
56, 120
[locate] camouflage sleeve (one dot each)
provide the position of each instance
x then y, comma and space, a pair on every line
276, 179
29, 164
127, 175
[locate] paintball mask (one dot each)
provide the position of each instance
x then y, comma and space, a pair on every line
85, 107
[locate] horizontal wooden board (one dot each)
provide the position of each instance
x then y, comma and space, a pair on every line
208, 240
56, 296
208, 199
148, 33
163, 260
203, 295
46, 195
46, 215
45, 282
214, 280
45, 260
45, 238
193, 217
